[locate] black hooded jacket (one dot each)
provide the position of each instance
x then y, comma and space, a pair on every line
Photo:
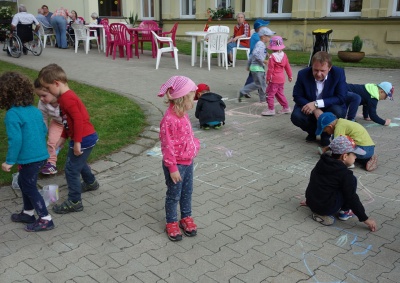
329, 178
210, 108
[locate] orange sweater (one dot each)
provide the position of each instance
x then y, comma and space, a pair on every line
240, 30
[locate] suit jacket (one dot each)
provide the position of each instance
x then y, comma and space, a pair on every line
334, 92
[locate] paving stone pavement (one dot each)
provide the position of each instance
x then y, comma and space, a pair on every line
249, 179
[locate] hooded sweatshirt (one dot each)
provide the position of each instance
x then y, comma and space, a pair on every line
278, 63
331, 183
210, 108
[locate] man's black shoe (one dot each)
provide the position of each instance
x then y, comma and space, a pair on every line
311, 138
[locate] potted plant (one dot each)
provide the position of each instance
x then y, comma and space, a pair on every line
6, 14
355, 54
220, 13
132, 19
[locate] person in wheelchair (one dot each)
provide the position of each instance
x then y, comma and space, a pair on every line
22, 23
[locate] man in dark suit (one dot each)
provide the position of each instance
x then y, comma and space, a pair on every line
319, 88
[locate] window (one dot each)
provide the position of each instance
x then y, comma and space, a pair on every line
278, 8
396, 8
188, 8
148, 9
343, 8
224, 3
108, 8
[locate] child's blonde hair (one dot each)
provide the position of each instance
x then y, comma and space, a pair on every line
52, 73
179, 104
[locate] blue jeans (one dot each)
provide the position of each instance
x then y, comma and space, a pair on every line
308, 123
369, 151
232, 45
180, 192
59, 24
75, 167
249, 79
27, 181
352, 102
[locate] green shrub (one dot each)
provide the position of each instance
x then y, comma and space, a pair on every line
357, 44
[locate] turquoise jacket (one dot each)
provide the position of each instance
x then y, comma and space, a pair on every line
26, 133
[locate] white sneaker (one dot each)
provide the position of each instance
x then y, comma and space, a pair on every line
285, 111
268, 112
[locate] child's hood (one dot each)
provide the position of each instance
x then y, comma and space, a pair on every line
330, 166
278, 56
210, 96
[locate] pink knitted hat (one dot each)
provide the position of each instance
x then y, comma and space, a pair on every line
276, 43
177, 86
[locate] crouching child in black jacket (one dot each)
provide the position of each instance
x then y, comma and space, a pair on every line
332, 186
210, 109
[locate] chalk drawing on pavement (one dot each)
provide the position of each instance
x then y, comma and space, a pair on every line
301, 167
372, 194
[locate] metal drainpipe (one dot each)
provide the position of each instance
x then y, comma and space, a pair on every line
160, 23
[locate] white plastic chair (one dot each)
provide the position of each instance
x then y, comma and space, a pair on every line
161, 50
43, 36
214, 29
84, 33
216, 43
235, 49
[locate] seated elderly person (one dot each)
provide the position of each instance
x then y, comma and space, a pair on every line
22, 22
318, 89
43, 21
242, 29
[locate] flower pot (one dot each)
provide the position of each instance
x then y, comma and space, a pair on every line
350, 56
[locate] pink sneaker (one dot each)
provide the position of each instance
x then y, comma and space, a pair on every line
268, 112
285, 111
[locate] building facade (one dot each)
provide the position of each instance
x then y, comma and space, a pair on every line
377, 22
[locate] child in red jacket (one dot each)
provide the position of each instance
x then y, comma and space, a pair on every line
77, 126
278, 63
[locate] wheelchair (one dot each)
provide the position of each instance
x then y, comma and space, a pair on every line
22, 41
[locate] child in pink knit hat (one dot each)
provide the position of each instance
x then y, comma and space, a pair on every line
278, 63
179, 147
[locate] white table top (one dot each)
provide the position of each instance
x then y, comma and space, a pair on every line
196, 33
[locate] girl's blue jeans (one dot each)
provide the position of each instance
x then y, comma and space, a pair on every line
27, 180
74, 168
180, 192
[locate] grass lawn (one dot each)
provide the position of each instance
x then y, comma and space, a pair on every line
116, 126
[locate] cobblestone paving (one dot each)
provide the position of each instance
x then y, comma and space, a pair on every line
249, 179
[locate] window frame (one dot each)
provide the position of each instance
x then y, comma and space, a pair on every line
227, 4
192, 4
149, 2
120, 5
396, 4
344, 14
279, 14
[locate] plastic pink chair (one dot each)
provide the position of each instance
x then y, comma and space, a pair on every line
109, 37
121, 39
146, 36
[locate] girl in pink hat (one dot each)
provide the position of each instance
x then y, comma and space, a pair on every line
179, 147
278, 63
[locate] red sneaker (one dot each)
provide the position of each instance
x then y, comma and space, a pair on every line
173, 231
188, 226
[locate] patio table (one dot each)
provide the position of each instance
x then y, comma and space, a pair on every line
194, 35
135, 34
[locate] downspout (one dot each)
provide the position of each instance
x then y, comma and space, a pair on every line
160, 23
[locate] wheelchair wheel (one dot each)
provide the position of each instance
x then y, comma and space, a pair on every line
35, 46
14, 46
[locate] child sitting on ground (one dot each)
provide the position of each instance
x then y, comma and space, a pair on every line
278, 64
50, 110
370, 95
332, 186
330, 124
210, 109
